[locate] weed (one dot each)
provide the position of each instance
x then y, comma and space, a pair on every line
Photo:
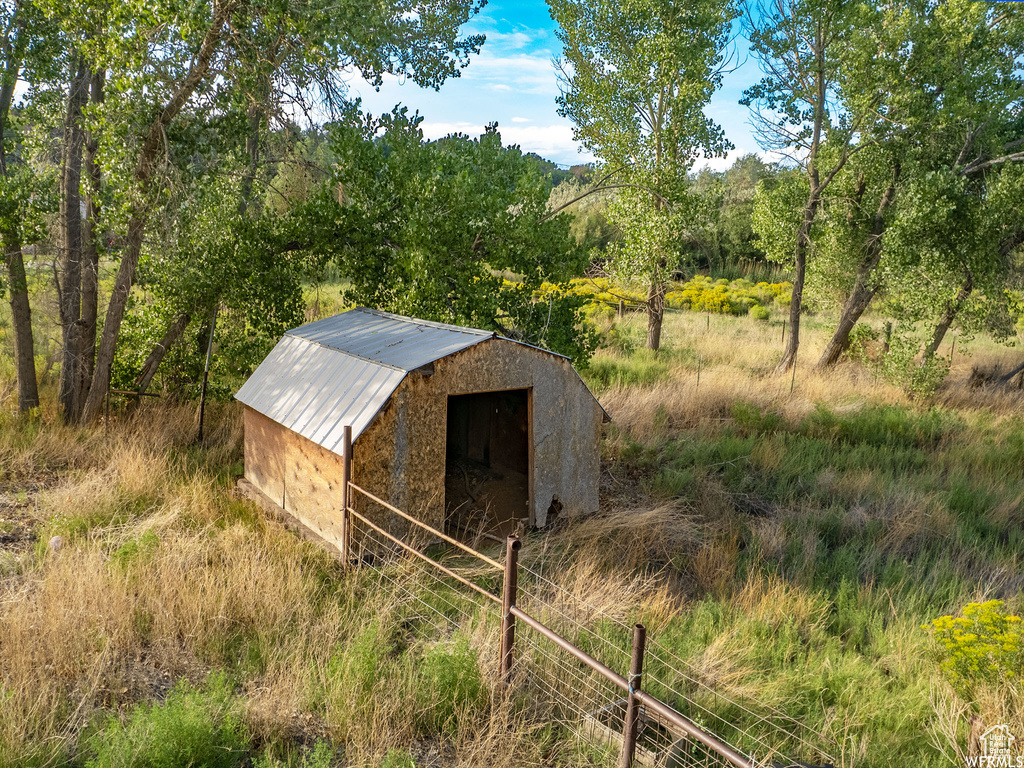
194, 726
449, 683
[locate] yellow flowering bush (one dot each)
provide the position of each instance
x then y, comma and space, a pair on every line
701, 294
985, 644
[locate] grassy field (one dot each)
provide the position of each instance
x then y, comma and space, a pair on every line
789, 538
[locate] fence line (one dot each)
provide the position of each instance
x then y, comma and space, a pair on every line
670, 661
644, 718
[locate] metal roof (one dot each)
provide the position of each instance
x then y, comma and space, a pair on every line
392, 340
305, 385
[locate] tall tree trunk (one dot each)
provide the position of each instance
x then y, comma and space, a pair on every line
856, 303
91, 250
948, 316
21, 316
803, 244
149, 368
144, 173
70, 238
862, 292
803, 235
252, 149
10, 235
655, 314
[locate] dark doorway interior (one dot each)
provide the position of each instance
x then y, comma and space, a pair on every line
487, 468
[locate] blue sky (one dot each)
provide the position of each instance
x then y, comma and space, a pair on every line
513, 82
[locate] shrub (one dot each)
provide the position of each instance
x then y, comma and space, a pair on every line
194, 726
701, 294
901, 368
760, 313
449, 682
985, 645
862, 339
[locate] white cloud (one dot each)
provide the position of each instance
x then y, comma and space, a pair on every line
552, 142
433, 130
513, 40
719, 163
521, 120
723, 163
531, 73
501, 87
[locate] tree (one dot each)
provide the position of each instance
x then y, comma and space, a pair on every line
808, 98
635, 78
739, 182
455, 230
71, 247
590, 226
948, 123
22, 29
235, 62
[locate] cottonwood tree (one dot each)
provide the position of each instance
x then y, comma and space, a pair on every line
635, 78
167, 60
455, 230
950, 86
27, 47
812, 94
13, 46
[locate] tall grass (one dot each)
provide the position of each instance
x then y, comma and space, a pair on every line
788, 546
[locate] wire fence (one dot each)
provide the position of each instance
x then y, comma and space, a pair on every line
766, 732
576, 657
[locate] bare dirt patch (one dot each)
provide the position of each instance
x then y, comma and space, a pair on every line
19, 527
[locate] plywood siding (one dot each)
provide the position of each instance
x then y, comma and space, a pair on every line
305, 479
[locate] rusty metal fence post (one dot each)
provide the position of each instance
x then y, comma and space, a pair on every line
636, 670
346, 495
508, 599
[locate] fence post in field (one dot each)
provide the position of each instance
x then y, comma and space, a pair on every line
636, 669
622, 308
508, 599
346, 495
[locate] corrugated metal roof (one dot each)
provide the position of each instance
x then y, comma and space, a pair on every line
391, 340
305, 385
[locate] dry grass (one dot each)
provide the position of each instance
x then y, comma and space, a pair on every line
164, 576
737, 360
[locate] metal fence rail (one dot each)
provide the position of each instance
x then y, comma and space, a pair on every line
612, 708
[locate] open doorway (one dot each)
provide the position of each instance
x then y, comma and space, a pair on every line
487, 464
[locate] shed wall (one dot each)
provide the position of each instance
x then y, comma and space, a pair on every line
305, 479
565, 430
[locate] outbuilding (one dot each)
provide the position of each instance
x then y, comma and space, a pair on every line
471, 432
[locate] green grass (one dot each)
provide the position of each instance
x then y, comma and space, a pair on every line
636, 371
883, 518
194, 726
